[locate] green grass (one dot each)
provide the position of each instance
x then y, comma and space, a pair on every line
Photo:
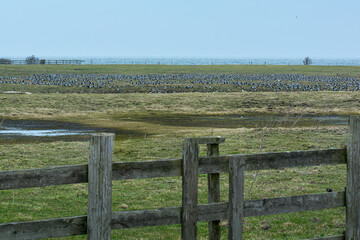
21, 70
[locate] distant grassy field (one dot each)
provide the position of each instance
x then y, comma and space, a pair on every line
20, 70
160, 139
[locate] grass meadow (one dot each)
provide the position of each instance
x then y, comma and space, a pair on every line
22, 70
152, 134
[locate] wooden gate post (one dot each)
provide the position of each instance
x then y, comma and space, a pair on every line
214, 188
189, 172
213, 192
236, 198
99, 180
353, 180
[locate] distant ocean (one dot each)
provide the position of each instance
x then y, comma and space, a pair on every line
219, 61
209, 60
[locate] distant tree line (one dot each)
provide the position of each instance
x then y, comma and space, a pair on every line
29, 60
35, 60
5, 61
32, 60
307, 61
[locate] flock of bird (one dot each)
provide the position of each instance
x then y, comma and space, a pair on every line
172, 83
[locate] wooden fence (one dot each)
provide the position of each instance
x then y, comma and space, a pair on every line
43, 61
101, 171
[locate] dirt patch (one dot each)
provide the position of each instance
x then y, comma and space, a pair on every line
240, 121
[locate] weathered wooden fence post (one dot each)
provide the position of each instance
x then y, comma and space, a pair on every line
189, 172
236, 198
353, 180
99, 180
214, 190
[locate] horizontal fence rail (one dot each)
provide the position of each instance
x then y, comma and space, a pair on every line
44, 61
339, 237
71, 226
168, 168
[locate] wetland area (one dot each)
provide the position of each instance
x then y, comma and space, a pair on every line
45, 131
40, 130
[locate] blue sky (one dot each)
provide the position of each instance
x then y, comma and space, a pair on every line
132, 28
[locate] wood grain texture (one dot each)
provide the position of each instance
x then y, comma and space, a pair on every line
147, 169
189, 210
219, 211
353, 180
99, 187
51, 228
214, 192
168, 168
236, 198
274, 160
43, 177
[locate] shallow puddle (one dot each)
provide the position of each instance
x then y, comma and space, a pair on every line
41, 133
35, 130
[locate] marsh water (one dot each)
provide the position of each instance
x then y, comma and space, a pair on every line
29, 131
37, 130
216, 61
